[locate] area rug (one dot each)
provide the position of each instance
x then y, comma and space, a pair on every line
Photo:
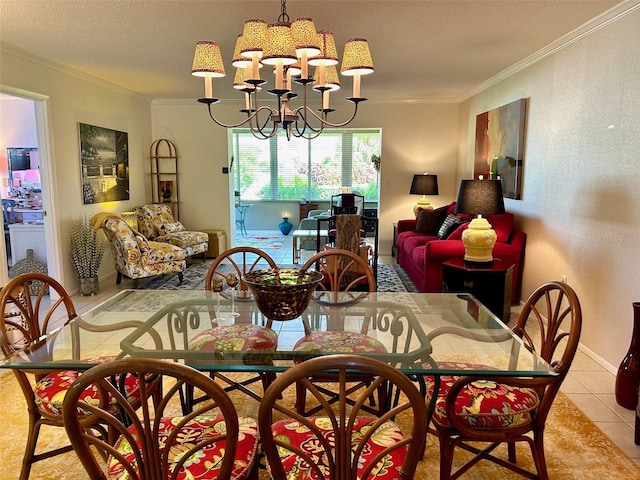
391, 278
262, 242
575, 446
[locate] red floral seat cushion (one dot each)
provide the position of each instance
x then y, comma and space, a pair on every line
206, 462
51, 389
300, 436
338, 342
235, 338
483, 404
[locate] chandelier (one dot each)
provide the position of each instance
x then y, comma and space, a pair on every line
290, 49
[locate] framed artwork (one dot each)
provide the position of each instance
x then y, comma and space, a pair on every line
499, 146
166, 190
104, 157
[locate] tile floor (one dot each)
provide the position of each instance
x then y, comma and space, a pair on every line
589, 385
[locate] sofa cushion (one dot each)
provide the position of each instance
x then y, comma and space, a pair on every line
451, 222
429, 221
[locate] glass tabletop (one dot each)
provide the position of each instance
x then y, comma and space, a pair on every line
442, 333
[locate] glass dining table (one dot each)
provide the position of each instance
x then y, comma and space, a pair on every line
423, 333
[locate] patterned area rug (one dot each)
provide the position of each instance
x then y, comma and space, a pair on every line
262, 242
391, 278
575, 446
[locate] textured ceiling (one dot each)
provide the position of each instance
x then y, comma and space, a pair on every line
439, 50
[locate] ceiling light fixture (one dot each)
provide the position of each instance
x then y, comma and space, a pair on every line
290, 48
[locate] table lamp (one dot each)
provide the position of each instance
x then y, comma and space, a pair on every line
479, 197
423, 185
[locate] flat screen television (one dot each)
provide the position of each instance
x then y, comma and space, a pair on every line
20, 158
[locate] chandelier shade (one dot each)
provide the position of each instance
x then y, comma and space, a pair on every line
290, 48
305, 38
328, 52
356, 58
331, 81
207, 60
254, 36
279, 46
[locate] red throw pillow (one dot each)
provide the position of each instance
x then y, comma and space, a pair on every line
429, 221
457, 233
503, 225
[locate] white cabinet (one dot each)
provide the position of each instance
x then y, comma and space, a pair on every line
25, 236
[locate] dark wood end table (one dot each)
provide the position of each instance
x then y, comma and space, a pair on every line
490, 283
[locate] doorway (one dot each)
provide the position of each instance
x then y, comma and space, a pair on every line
24, 166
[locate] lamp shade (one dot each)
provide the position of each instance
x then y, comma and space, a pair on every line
207, 60
480, 197
356, 58
254, 36
279, 46
424, 185
328, 53
305, 37
331, 80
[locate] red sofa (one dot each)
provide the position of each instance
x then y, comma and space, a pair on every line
421, 254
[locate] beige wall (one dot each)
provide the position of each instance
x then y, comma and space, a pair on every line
70, 99
415, 138
581, 165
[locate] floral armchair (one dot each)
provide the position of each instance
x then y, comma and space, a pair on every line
136, 257
156, 222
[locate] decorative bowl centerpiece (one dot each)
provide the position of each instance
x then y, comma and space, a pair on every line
282, 294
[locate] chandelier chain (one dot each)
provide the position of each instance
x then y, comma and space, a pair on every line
283, 18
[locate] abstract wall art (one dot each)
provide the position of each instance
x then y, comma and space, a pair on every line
499, 149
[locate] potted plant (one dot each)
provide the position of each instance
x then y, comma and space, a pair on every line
86, 248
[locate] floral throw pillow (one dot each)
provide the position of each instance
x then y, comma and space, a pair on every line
166, 228
449, 225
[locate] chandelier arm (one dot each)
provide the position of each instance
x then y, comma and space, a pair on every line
245, 121
325, 122
300, 112
257, 130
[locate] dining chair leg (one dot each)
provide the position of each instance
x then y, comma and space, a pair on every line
511, 449
29, 452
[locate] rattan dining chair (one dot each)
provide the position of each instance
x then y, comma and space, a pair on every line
342, 442
249, 331
347, 278
34, 315
158, 441
497, 410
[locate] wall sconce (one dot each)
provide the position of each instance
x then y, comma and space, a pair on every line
479, 197
423, 185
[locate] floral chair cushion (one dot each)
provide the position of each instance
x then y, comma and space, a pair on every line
483, 404
338, 342
235, 338
206, 462
51, 390
302, 437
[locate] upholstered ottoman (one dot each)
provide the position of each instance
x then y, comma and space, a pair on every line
217, 242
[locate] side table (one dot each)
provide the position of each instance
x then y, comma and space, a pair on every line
490, 283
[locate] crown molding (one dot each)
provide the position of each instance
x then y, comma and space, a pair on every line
610, 16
